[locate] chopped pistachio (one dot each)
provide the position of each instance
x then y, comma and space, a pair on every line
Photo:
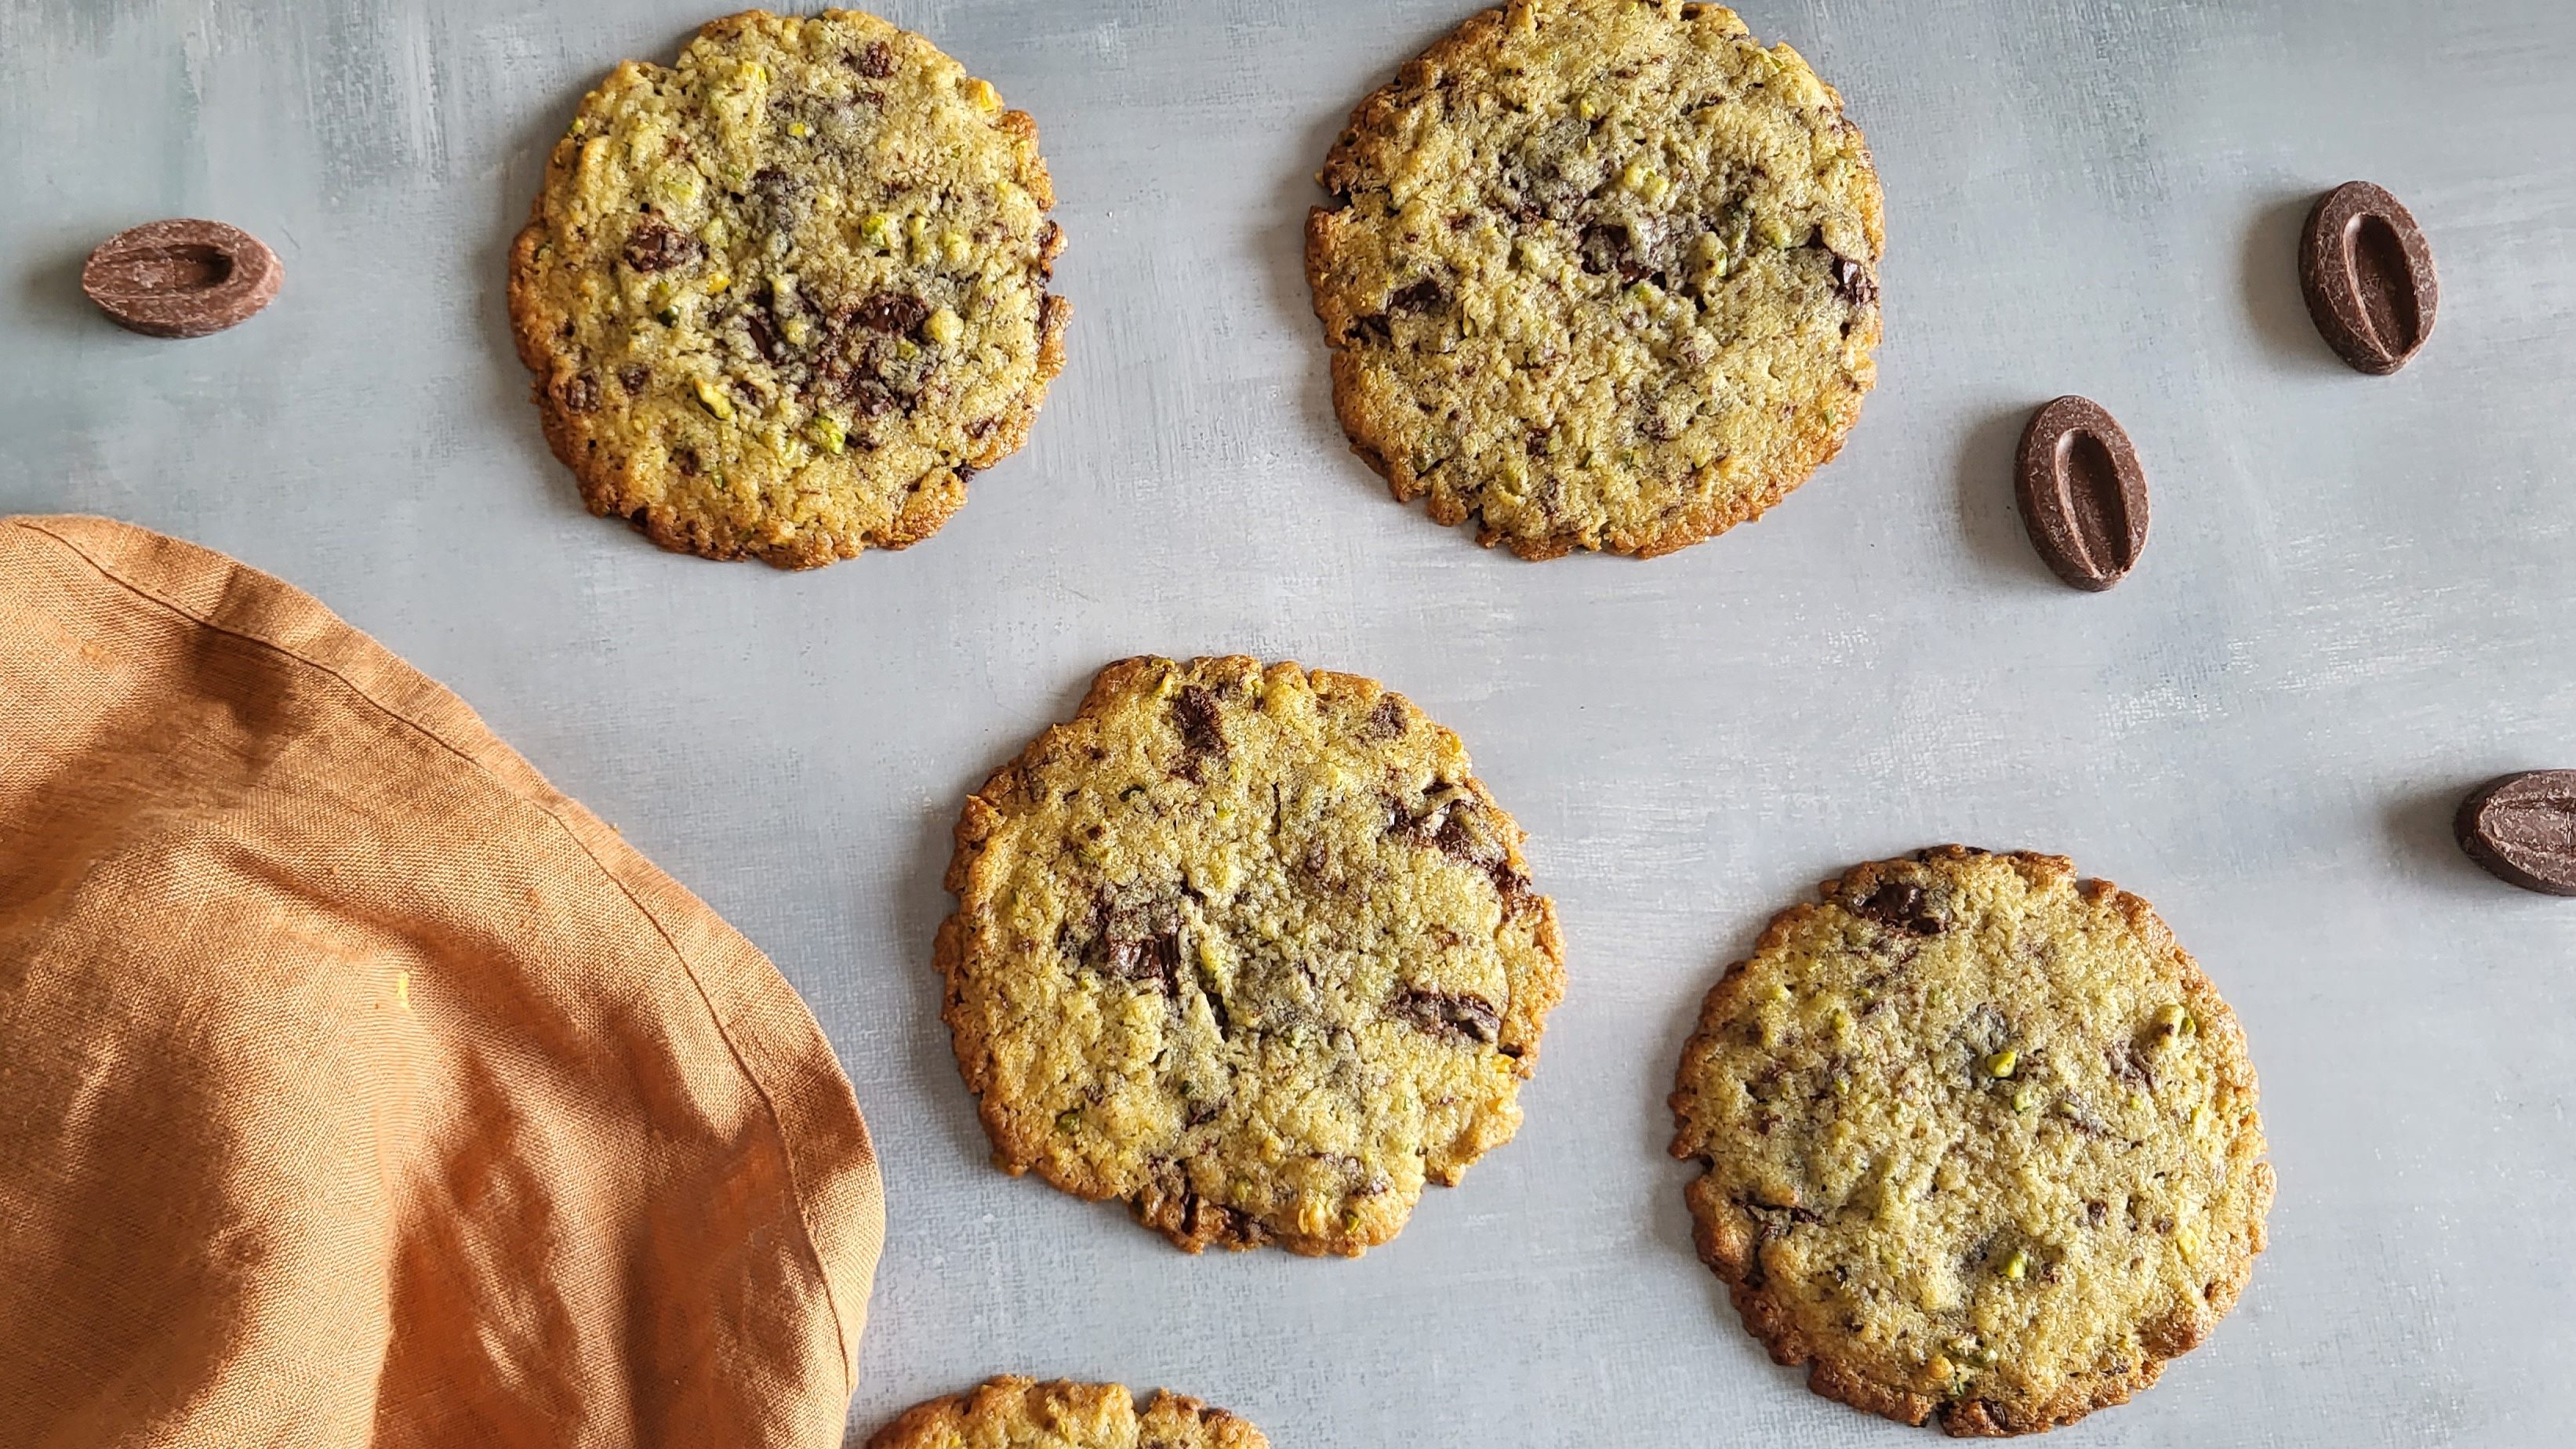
876, 229
2174, 1021
799, 129
1775, 232
1068, 1119
1646, 294
718, 283
669, 316
954, 248
828, 433
944, 327
677, 185
797, 331
712, 398
2001, 1064
982, 96
2025, 1099
2017, 1265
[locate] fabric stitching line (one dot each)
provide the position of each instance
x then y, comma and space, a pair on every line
795, 1178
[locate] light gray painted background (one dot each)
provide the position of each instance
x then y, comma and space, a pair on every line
2356, 604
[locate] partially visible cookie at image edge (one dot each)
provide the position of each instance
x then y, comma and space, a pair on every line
1599, 274
1979, 1142
783, 298
1248, 948
1009, 1412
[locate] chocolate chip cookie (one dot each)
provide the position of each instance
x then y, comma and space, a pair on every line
784, 298
1248, 948
1017, 1413
1980, 1142
1599, 274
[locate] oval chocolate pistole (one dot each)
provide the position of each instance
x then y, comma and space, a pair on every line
2368, 276
2083, 495
181, 278
2522, 828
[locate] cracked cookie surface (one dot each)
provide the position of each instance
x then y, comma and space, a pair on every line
1249, 948
1980, 1142
1017, 1413
1599, 274
784, 298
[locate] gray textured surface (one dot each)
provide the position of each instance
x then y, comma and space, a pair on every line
2356, 604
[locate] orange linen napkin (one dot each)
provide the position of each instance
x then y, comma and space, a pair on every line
355, 1087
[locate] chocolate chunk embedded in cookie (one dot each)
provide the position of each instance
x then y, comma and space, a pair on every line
1248, 948
1980, 1142
784, 298
1599, 274
1017, 1413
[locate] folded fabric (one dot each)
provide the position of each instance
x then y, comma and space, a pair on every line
356, 1088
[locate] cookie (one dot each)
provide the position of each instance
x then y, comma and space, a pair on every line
1979, 1139
1248, 948
784, 298
1016, 1413
1599, 274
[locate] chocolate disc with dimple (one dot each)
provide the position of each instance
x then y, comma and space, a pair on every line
2083, 494
2522, 828
181, 278
2367, 273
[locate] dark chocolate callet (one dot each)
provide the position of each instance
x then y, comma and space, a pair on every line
181, 278
2522, 829
2083, 494
2367, 273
